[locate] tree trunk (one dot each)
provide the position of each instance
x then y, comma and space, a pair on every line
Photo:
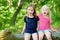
16, 12
10, 3
35, 2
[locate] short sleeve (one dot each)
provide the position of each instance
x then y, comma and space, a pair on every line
25, 19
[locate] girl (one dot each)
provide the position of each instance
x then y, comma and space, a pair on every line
30, 24
44, 23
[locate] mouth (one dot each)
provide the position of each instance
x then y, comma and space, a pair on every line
44, 12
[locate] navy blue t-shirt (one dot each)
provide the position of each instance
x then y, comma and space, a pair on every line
31, 24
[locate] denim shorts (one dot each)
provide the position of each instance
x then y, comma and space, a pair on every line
44, 31
29, 34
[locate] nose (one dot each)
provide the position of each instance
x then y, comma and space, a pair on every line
29, 10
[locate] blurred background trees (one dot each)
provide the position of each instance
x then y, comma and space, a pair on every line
13, 11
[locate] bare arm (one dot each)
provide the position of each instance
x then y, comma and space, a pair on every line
24, 27
37, 26
51, 22
51, 26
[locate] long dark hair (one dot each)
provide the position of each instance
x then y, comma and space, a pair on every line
31, 5
34, 13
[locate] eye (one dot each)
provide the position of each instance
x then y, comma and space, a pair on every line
28, 9
32, 10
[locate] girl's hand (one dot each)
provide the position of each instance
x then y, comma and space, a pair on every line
54, 30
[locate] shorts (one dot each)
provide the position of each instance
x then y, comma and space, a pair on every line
44, 31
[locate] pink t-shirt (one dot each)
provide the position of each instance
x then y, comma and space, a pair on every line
44, 23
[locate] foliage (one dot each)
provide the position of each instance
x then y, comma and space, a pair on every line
6, 13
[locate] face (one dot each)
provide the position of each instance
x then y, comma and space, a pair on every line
30, 10
45, 11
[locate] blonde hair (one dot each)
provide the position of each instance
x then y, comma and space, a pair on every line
45, 6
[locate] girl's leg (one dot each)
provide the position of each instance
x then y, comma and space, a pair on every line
35, 36
41, 35
27, 36
48, 35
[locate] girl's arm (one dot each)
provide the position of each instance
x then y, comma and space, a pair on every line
52, 27
37, 25
50, 24
37, 22
23, 28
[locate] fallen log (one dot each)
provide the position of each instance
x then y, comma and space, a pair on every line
7, 35
54, 35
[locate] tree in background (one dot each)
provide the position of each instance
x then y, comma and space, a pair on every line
10, 3
13, 11
20, 4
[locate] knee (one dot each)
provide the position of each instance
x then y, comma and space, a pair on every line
48, 37
40, 37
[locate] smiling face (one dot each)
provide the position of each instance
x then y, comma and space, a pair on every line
30, 10
45, 10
